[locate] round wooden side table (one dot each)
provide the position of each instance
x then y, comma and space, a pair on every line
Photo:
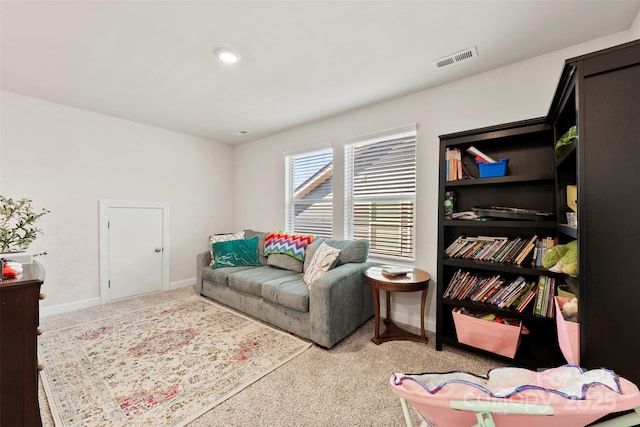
416, 280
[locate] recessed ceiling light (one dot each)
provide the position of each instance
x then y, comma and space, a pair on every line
227, 56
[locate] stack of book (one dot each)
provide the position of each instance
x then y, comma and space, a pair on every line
542, 247
479, 155
494, 290
454, 166
488, 248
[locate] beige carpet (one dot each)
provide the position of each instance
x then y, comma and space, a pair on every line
344, 386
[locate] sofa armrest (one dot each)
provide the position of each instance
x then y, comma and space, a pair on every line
202, 260
339, 302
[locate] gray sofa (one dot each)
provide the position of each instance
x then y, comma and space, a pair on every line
335, 305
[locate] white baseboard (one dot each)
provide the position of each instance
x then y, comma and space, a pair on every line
71, 306
182, 283
77, 305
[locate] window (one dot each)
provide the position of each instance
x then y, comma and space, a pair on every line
380, 191
309, 180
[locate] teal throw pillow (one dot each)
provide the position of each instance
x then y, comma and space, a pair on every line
234, 253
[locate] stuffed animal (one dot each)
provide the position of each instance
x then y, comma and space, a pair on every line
570, 310
562, 259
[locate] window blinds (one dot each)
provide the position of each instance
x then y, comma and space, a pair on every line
309, 178
380, 191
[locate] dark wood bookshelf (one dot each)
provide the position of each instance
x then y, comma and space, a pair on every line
599, 93
529, 183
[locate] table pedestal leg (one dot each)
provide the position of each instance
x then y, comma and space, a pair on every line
391, 330
423, 303
376, 310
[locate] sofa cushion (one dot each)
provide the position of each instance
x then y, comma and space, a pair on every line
323, 260
294, 245
351, 251
250, 281
248, 233
289, 291
234, 253
220, 276
214, 238
284, 261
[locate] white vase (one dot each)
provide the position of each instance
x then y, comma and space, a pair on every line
21, 257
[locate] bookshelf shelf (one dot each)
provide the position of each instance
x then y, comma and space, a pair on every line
568, 230
499, 180
529, 353
497, 310
500, 224
497, 266
569, 157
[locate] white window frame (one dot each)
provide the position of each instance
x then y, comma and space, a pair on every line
290, 200
408, 131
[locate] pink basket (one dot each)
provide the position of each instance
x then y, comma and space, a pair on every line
568, 334
491, 336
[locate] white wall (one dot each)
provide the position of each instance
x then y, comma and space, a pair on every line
516, 92
66, 160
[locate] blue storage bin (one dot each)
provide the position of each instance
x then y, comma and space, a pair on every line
490, 170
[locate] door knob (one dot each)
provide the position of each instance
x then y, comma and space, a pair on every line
158, 249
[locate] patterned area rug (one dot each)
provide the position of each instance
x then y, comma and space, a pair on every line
160, 366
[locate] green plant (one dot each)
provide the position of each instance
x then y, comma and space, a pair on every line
17, 224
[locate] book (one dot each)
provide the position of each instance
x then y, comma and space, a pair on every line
526, 250
453, 245
515, 296
513, 291
488, 250
475, 152
396, 270
501, 256
550, 294
526, 300
540, 295
446, 164
486, 287
501, 244
519, 243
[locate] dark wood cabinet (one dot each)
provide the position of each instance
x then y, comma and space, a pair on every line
605, 106
19, 300
599, 93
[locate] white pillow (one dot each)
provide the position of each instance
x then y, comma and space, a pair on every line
322, 261
215, 238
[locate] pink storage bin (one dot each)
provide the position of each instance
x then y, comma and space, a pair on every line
491, 336
568, 334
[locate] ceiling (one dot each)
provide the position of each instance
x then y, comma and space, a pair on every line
152, 62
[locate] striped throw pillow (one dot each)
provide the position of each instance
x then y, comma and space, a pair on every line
285, 243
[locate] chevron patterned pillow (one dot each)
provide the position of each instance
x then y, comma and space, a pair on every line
285, 243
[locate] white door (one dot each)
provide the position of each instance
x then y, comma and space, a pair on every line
135, 237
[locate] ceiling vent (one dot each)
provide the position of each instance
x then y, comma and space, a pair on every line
454, 58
